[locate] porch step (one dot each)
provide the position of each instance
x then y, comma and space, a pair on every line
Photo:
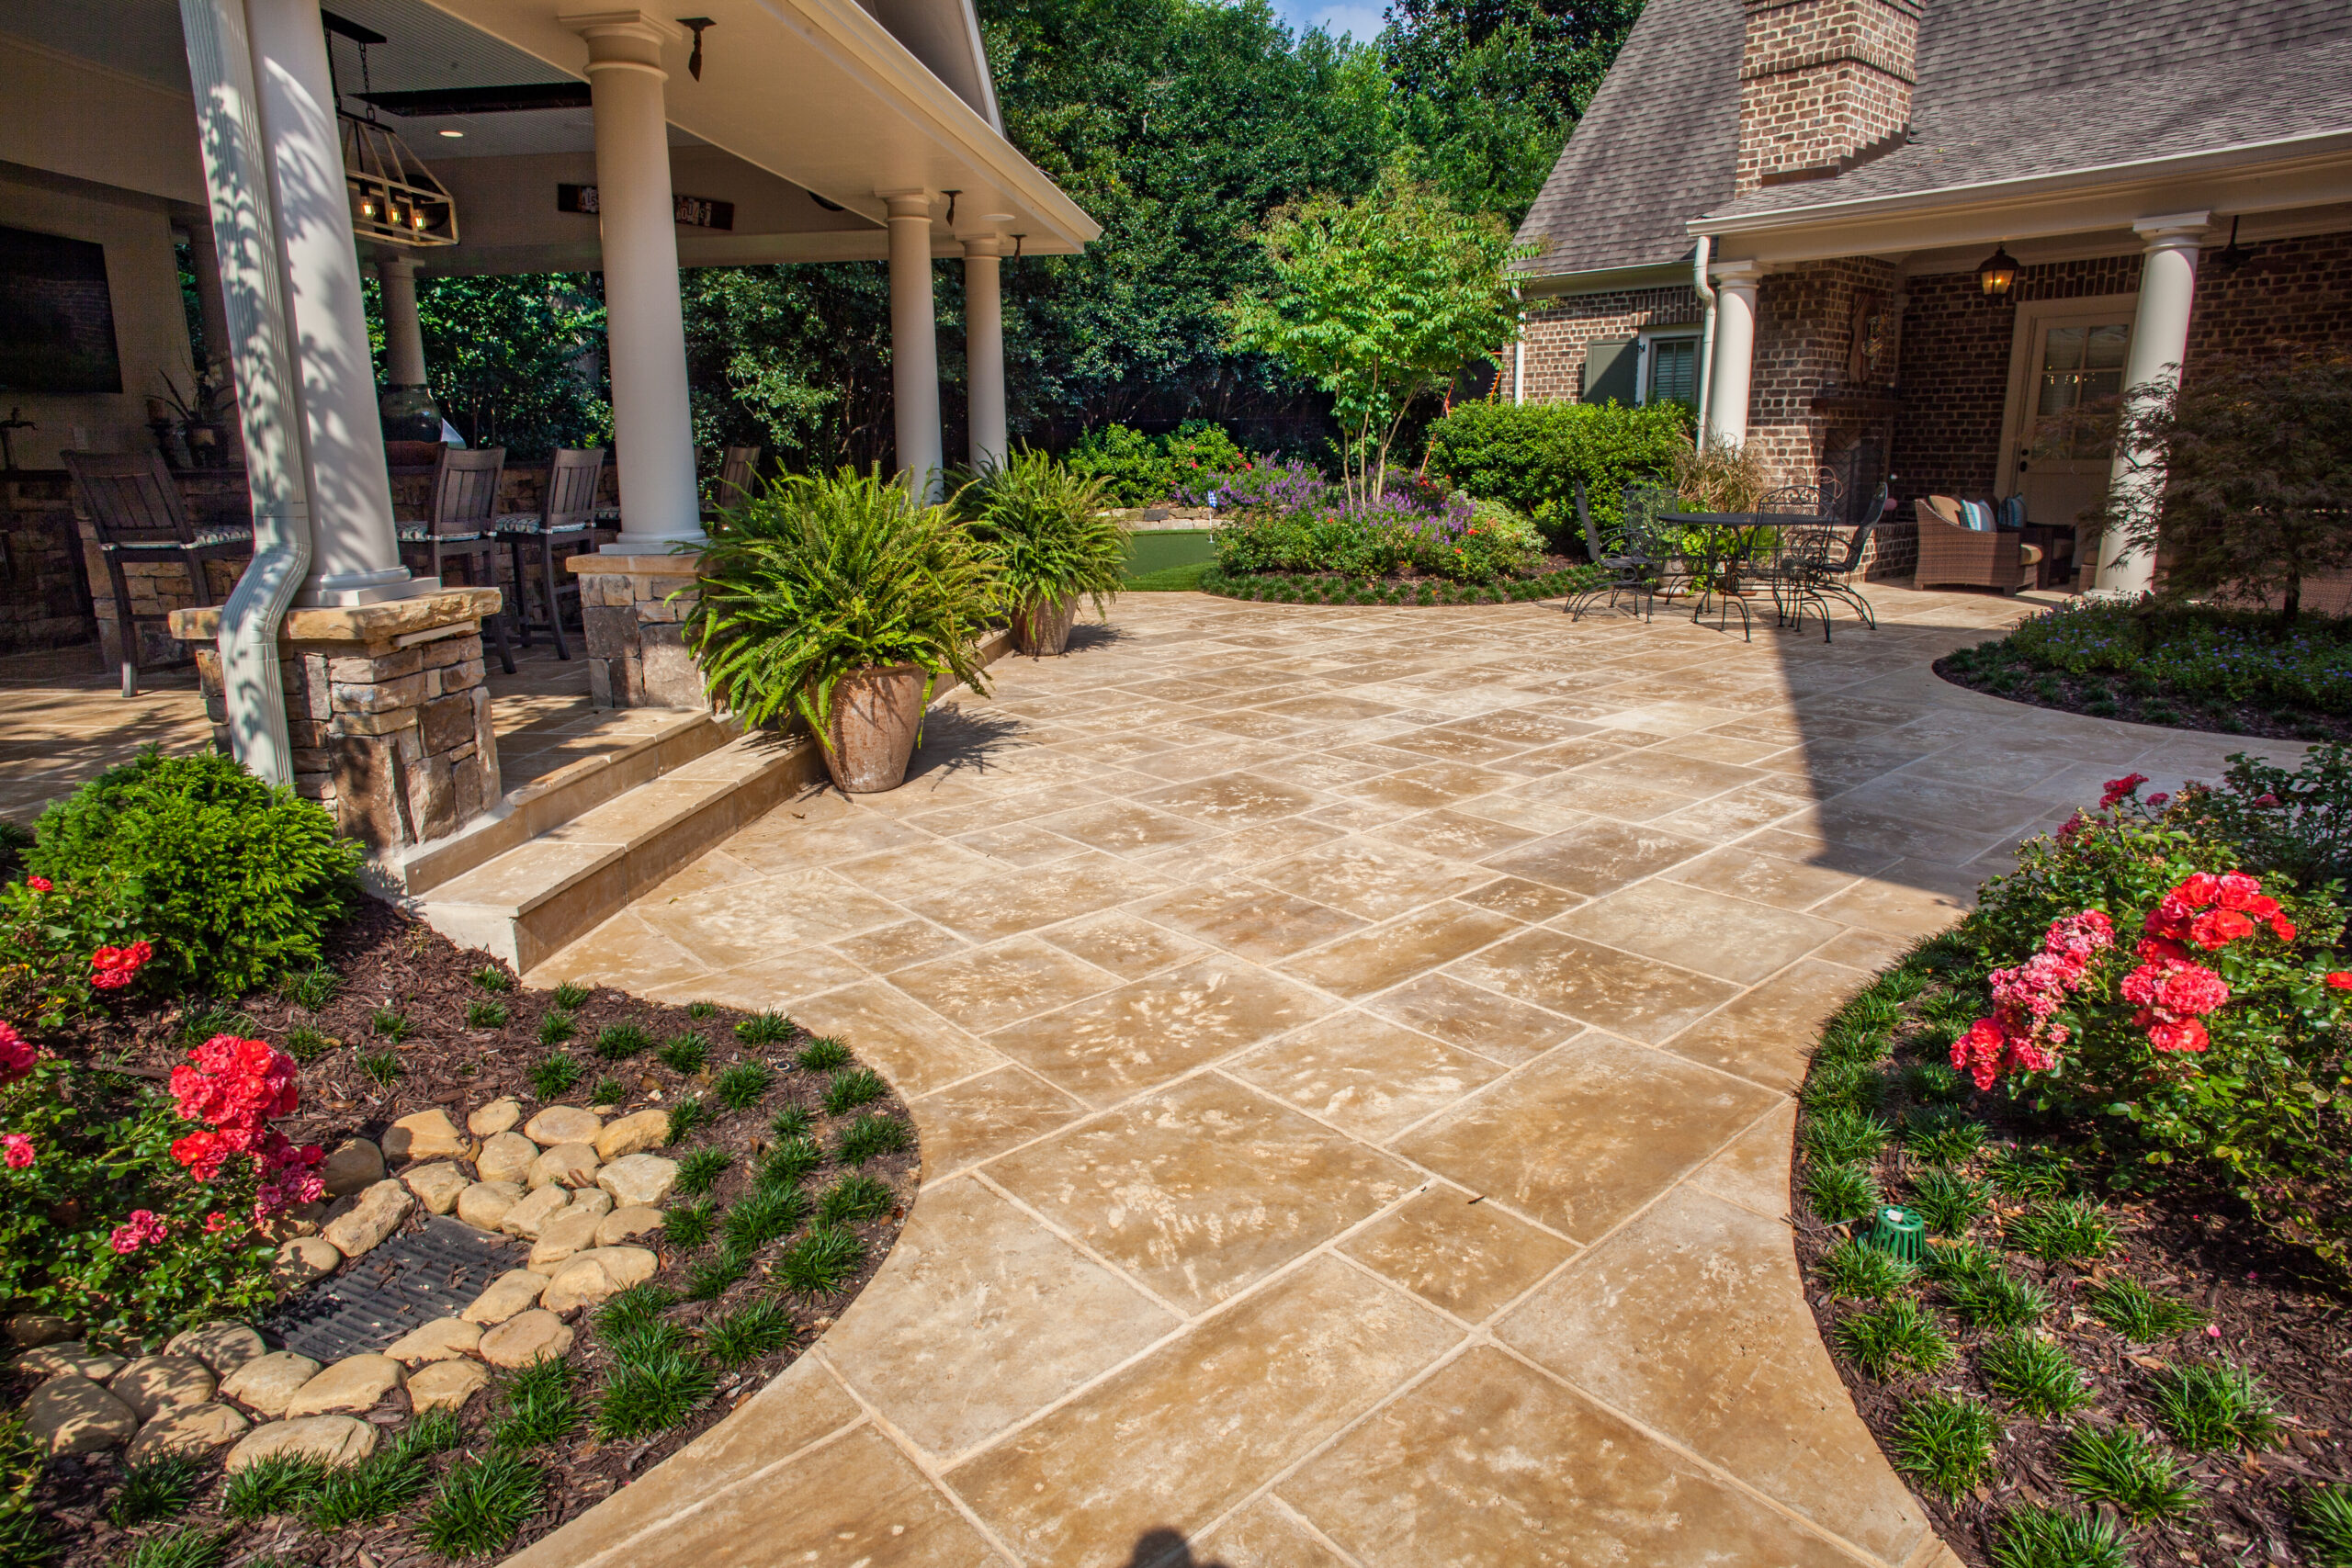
654, 745
538, 889
523, 905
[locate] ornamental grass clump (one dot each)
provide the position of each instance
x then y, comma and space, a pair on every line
1900, 1333
2034, 1537
824, 575
2204, 1408
1946, 1443
2116, 1465
2137, 1313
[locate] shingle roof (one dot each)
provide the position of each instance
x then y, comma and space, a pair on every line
1658, 145
2007, 89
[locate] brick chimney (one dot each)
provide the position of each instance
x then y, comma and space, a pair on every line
1823, 85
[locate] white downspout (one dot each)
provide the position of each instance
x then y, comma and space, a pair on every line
1519, 354
1706, 290
237, 176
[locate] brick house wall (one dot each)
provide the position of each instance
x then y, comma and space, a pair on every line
1821, 79
1557, 330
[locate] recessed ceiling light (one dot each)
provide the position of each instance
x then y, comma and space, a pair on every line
996, 217
453, 133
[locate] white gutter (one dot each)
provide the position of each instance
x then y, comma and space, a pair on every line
2015, 187
237, 176
1706, 290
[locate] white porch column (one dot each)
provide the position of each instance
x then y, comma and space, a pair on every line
2159, 344
984, 352
1735, 350
403, 335
644, 323
355, 559
914, 341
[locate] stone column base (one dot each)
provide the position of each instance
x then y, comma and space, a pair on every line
637, 654
390, 717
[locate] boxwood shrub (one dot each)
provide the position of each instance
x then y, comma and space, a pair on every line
1532, 455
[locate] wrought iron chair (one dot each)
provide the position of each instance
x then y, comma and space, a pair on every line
462, 527
1811, 555
738, 475
565, 526
136, 510
1622, 570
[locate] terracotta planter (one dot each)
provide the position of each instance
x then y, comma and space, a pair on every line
876, 712
1042, 626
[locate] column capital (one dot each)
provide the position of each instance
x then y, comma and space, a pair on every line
2172, 229
1737, 273
983, 245
396, 262
908, 203
626, 40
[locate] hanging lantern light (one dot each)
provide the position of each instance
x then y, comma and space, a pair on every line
394, 197
1998, 273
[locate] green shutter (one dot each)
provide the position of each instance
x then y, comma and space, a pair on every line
1609, 368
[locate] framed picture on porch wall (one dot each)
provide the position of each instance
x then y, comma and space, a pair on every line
1869, 352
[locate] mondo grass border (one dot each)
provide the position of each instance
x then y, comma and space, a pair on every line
1318, 588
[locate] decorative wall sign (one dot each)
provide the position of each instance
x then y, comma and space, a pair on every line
692, 212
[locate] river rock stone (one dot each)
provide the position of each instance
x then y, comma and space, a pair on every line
425, 1134
352, 1385
641, 1181
573, 1231
485, 1204
303, 1259
378, 1215
333, 1440
533, 1336
516, 1291
27, 1330
529, 1213
70, 1415
70, 1357
623, 1223
590, 1277
351, 1166
445, 1385
498, 1116
192, 1431
443, 1340
224, 1347
436, 1185
152, 1384
563, 1125
571, 1165
506, 1156
270, 1384
633, 1134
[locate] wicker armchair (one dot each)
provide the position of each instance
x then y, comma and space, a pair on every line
1952, 556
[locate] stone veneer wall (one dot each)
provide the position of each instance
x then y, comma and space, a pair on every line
43, 601
389, 719
1558, 329
636, 651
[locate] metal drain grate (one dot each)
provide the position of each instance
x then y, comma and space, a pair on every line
409, 1280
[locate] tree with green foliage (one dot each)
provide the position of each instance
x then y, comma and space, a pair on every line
518, 362
1379, 301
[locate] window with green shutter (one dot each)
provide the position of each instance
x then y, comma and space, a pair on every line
1674, 371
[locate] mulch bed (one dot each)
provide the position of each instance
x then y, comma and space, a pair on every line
389, 961
2280, 1312
2112, 696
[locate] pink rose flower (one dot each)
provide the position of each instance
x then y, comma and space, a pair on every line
18, 1150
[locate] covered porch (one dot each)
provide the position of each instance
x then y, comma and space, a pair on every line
228, 141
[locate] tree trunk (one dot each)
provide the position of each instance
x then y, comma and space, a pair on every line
2290, 605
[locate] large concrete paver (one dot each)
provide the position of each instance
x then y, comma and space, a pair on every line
1351, 1050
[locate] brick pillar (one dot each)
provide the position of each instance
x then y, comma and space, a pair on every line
1821, 83
636, 652
389, 719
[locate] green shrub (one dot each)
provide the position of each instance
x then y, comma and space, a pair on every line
2050, 1538
824, 575
481, 1503
234, 881
1946, 1442
2204, 1408
1533, 455
2116, 1465
1899, 1332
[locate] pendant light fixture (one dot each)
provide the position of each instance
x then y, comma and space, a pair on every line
394, 197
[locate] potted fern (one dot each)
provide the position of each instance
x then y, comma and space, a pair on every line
841, 599
1047, 534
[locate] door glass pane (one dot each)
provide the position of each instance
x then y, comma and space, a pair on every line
2079, 365
1674, 371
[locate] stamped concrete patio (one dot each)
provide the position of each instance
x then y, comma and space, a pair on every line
1352, 1053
